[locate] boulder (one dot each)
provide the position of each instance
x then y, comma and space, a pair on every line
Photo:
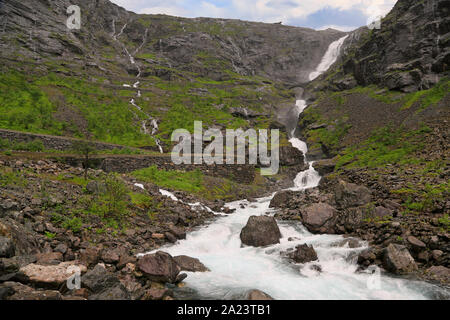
110, 256
416, 244
324, 167
281, 198
303, 254
190, 264
159, 267
50, 276
260, 231
351, 195
439, 273
318, 217
104, 285
7, 249
398, 260
49, 258
257, 295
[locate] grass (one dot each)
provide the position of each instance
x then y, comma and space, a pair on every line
190, 181
428, 97
385, 146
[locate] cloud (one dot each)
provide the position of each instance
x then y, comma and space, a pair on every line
292, 12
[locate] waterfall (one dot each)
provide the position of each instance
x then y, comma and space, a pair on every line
236, 269
329, 58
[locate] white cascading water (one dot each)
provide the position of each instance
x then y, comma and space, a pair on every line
236, 269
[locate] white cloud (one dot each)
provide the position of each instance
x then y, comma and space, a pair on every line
258, 10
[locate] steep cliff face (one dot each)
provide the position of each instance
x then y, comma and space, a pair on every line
409, 52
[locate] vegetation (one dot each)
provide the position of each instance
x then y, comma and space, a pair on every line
386, 145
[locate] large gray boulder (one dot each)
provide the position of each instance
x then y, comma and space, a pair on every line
159, 267
398, 260
319, 217
260, 231
104, 285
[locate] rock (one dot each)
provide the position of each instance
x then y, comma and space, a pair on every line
62, 248
257, 295
110, 256
439, 273
170, 237
290, 156
351, 195
90, 256
50, 276
383, 212
18, 291
190, 264
303, 254
7, 249
11, 265
159, 267
177, 232
118, 292
156, 294
437, 254
318, 217
50, 258
324, 167
260, 231
281, 199
158, 236
416, 244
99, 279
398, 260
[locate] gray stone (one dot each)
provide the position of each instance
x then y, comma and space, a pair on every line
398, 260
260, 231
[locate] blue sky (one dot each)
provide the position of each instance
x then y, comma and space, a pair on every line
318, 14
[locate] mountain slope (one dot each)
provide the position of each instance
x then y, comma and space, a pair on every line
81, 82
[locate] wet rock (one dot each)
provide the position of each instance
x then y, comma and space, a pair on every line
351, 195
290, 156
7, 249
50, 276
303, 254
179, 233
257, 295
190, 264
318, 217
260, 231
159, 267
398, 260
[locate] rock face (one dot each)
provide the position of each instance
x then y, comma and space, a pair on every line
51, 276
260, 231
190, 264
318, 217
290, 156
303, 254
281, 198
159, 267
399, 55
398, 260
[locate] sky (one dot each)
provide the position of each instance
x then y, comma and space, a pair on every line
343, 15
